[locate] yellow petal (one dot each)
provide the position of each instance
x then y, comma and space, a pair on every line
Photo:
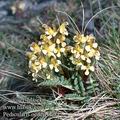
58, 54
88, 60
34, 57
87, 72
54, 34
73, 62
71, 58
49, 37
63, 29
97, 56
56, 69
44, 64
90, 39
83, 39
58, 61
82, 57
51, 66
44, 52
52, 47
73, 51
62, 38
37, 62
33, 74
92, 68
63, 44
87, 48
49, 31
35, 48
95, 45
58, 41
77, 55
30, 63
62, 49
91, 53
79, 63
40, 67
55, 50
83, 67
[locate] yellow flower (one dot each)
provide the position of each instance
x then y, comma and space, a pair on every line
91, 46
60, 39
87, 69
80, 38
49, 31
33, 67
76, 62
94, 45
88, 48
77, 49
36, 66
58, 51
63, 44
44, 39
83, 38
34, 75
48, 50
77, 38
44, 56
84, 58
42, 62
35, 48
88, 60
31, 55
93, 53
54, 64
90, 39
97, 55
63, 29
